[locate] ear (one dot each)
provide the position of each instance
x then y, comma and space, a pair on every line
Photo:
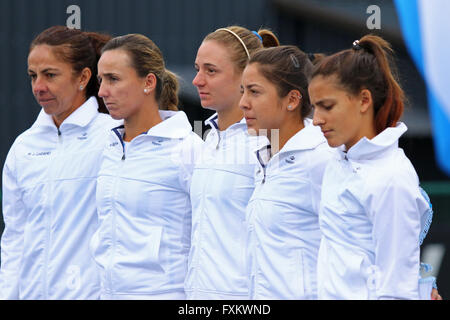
366, 100
86, 74
150, 82
294, 100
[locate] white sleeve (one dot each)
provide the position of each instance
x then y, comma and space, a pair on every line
395, 210
191, 151
14, 216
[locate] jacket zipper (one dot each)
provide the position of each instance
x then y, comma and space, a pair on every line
121, 142
48, 228
113, 212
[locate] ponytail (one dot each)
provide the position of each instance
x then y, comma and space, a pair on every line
168, 99
268, 38
389, 111
97, 41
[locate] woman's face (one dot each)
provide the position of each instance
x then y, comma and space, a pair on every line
54, 84
336, 111
217, 79
262, 106
121, 88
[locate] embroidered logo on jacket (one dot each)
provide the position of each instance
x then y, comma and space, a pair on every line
38, 154
82, 137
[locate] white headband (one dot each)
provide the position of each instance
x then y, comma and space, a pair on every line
237, 37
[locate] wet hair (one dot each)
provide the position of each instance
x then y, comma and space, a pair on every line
288, 68
79, 49
253, 42
147, 58
368, 65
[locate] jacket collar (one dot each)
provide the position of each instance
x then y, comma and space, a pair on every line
307, 138
212, 122
81, 117
175, 125
376, 147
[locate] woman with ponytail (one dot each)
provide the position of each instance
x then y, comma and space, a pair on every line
142, 243
372, 212
223, 179
50, 173
282, 214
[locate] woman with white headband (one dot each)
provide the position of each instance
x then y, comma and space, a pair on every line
222, 181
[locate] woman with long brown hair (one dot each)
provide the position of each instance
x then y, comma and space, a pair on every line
371, 210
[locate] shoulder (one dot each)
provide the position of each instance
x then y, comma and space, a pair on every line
395, 171
394, 180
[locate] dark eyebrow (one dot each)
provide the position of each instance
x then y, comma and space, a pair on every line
107, 75
209, 65
45, 70
252, 85
322, 102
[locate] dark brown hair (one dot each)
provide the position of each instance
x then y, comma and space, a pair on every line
368, 65
250, 39
79, 49
288, 68
147, 58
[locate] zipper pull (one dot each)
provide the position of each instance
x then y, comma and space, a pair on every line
59, 132
123, 157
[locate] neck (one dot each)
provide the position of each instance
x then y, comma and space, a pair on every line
229, 116
58, 119
367, 131
286, 132
147, 117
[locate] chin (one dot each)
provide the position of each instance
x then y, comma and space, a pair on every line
333, 144
51, 111
116, 116
208, 106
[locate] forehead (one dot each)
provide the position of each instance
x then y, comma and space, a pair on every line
252, 75
44, 56
321, 85
213, 52
114, 59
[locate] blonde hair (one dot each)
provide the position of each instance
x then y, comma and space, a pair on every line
147, 58
249, 43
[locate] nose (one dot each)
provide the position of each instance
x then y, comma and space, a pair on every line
39, 86
243, 103
317, 118
198, 80
102, 93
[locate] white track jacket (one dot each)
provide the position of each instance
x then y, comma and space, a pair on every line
142, 244
370, 218
222, 183
283, 217
49, 181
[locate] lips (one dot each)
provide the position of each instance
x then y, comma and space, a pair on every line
326, 133
203, 95
41, 100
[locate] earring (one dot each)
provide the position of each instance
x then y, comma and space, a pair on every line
81, 88
145, 90
289, 107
